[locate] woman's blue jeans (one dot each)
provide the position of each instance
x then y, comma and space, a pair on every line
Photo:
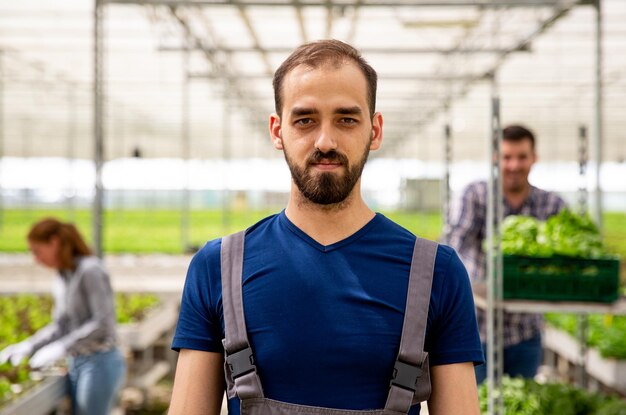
521, 359
95, 380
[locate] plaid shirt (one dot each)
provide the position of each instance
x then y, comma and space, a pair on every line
466, 233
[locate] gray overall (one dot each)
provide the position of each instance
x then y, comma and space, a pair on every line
409, 382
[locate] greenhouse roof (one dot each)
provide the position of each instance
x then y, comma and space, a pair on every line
203, 69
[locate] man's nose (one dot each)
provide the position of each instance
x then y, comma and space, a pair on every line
326, 141
510, 164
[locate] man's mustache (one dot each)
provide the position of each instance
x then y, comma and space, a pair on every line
330, 156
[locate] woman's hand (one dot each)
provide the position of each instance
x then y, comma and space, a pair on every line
16, 352
47, 355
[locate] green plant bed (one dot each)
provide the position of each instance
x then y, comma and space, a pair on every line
607, 333
526, 397
136, 231
159, 230
21, 315
144, 231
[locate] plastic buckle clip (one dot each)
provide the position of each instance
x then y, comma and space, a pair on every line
241, 362
405, 375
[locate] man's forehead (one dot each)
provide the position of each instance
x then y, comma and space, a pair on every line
304, 84
524, 145
304, 69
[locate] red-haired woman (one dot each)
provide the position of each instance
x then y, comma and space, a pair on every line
83, 327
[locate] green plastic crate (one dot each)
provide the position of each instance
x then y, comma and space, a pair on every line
560, 279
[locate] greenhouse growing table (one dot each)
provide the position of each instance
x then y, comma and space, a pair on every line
140, 342
610, 372
534, 306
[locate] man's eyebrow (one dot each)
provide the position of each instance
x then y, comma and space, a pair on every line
356, 110
298, 111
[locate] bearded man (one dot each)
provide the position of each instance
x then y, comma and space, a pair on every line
326, 307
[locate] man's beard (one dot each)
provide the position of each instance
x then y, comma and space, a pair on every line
326, 188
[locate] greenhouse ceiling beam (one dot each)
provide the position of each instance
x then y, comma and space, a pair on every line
300, 18
329, 19
564, 7
365, 50
255, 38
353, 22
220, 66
320, 3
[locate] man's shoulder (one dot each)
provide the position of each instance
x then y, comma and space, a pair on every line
475, 191
389, 226
548, 199
545, 193
210, 253
214, 245
479, 186
444, 253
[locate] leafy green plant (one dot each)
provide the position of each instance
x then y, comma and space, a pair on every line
520, 236
131, 308
606, 332
565, 234
574, 235
514, 397
21, 315
526, 397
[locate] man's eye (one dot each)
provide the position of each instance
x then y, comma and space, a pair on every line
347, 120
303, 121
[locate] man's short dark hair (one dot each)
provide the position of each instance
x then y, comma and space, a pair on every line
516, 133
321, 52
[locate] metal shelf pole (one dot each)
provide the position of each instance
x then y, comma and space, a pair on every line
185, 150
2, 129
445, 185
598, 112
495, 313
98, 125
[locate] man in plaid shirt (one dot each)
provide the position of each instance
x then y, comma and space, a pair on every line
468, 229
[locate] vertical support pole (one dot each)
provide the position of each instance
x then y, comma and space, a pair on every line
71, 144
2, 129
582, 332
226, 158
185, 150
583, 159
583, 206
494, 262
121, 150
445, 184
28, 190
98, 125
598, 115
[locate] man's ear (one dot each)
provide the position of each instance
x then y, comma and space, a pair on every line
377, 131
276, 133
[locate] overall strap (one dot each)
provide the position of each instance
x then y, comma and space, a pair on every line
239, 365
411, 377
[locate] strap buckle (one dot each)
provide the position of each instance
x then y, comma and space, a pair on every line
406, 375
241, 362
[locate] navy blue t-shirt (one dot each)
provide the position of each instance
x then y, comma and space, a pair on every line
324, 322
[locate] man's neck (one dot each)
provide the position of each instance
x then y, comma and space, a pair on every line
328, 224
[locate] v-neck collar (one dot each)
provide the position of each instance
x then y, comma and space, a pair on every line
328, 248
